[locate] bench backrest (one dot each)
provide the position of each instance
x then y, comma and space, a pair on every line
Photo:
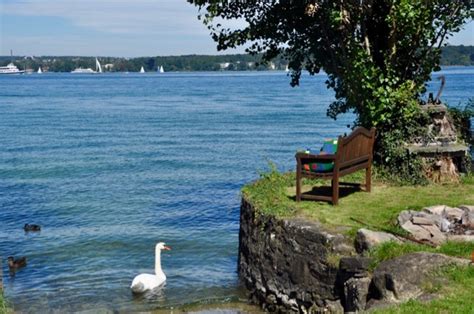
356, 148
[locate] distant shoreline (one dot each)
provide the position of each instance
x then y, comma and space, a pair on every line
451, 56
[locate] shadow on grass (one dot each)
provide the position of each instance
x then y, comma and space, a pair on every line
345, 189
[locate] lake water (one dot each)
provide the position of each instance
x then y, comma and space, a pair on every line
110, 164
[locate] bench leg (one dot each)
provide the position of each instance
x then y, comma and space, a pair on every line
335, 190
298, 184
368, 178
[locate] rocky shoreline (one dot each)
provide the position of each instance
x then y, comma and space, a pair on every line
294, 265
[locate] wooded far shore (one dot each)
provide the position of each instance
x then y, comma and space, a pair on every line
451, 55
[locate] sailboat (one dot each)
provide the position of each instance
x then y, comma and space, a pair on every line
98, 69
142, 70
162, 70
39, 70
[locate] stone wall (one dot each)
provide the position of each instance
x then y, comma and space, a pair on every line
290, 264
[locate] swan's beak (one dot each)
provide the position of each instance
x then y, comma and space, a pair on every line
166, 248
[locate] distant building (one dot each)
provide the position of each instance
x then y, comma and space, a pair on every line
109, 66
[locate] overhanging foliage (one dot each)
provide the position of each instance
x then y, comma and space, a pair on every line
378, 54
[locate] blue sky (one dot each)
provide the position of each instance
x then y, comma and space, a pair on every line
126, 28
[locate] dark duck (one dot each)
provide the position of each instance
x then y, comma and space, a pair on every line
15, 264
31, 227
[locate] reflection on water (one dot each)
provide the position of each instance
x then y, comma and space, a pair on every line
155, 295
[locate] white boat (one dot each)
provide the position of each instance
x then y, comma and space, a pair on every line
39, 70
10, 69
162, 70
142, 70
98, 69
83, 71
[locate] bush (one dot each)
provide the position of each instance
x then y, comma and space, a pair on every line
462, 121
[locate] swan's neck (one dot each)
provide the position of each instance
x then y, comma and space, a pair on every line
158, 270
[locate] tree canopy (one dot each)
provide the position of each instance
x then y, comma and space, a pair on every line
378, 54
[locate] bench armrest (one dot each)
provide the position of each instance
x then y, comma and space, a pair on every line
314, 157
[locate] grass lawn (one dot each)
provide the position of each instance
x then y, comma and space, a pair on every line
275, 194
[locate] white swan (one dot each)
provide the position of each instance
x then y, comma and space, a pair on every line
144, 282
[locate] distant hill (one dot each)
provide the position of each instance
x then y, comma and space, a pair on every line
189, 63
457, 55
451, 55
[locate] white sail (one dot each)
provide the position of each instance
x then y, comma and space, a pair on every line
98, 68
39, 70
142, 70
162, 70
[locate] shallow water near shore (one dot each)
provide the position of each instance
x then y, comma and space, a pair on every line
110, 164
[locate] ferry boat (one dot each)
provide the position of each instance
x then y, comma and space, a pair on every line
10, 69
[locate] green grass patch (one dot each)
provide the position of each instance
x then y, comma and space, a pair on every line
392, 250
468, 179
268, 194
274, 194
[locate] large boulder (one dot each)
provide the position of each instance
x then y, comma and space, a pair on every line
426, 233
401, 279
367, 239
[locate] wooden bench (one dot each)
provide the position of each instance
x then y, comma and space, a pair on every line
354, 152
